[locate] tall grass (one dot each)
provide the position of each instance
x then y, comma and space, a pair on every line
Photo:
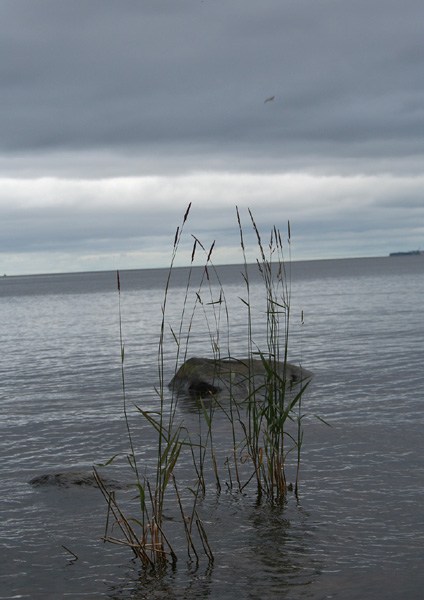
261, 422
271, 402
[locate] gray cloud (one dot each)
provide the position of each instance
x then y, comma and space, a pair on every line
98, 93
151, 75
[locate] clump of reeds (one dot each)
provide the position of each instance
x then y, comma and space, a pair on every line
271, 404
145, 535
260, 439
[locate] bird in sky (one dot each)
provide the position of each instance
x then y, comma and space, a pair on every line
270, 99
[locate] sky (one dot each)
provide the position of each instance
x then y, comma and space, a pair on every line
116, 114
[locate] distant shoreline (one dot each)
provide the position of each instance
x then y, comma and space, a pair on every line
408, 253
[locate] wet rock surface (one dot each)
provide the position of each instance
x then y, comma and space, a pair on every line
208, 376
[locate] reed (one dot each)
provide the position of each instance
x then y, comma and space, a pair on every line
271, 402
261, 422
146, 535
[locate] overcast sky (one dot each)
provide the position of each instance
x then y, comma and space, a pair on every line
116, 114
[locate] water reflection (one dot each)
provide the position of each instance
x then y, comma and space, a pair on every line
259, 550
189, 583
280, 543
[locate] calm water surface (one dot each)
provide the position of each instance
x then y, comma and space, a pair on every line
358, 528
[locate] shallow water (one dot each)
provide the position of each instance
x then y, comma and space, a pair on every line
357, 529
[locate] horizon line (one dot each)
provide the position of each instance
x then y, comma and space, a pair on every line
220, 265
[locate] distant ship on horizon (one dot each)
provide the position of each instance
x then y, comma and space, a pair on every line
408, 253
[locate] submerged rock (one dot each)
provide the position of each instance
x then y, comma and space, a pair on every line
68, 479
208, 376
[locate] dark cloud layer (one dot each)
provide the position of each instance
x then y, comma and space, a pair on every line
166, 76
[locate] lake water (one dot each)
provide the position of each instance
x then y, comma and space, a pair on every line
357, 529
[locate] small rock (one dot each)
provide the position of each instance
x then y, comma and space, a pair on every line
68, 479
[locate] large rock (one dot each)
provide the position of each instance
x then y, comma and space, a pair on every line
209, 376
